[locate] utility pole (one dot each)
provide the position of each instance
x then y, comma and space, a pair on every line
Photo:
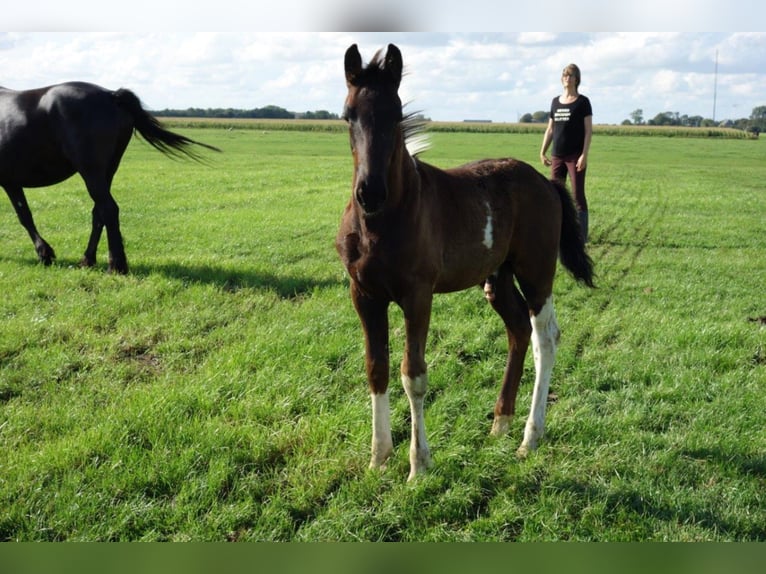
715, 84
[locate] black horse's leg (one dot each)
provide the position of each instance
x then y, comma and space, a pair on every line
97, 226
106, 213
18, 199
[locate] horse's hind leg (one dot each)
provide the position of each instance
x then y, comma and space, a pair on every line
510, 305
545, 339
44, 251
106, 213
97, 226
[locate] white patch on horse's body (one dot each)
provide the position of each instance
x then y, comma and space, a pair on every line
382, 443
488, 240
545, 338
420, 455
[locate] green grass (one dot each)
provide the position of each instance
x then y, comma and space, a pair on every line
218, 391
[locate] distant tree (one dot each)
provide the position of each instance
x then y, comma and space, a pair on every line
275, 112
320, 115
637, 116
538, 117
665, 119
758, 118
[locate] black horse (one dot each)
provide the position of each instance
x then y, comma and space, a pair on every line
49, 134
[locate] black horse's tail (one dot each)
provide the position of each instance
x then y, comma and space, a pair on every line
572, 244
152, 131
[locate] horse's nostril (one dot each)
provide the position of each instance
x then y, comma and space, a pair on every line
371, 195
360, 195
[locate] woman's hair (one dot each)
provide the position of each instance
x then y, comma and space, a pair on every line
574, 71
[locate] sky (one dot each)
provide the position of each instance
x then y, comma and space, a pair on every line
450, 76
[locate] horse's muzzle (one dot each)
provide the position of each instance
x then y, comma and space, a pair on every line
371, 195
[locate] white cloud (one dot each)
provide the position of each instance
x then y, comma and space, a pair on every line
450, 76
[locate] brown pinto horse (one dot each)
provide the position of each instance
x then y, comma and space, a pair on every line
49, 134
411, 230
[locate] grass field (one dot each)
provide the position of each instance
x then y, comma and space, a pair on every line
218, 392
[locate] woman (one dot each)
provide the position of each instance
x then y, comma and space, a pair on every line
570, 128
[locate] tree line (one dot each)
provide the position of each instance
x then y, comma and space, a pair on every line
755, 123
268, 112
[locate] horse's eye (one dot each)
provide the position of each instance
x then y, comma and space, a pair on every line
349, 114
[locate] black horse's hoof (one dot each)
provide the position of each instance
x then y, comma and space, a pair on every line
118, 267
45, 254
87, 263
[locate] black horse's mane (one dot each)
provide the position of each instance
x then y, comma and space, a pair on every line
414, 125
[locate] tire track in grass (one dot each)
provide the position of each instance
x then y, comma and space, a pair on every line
618, 259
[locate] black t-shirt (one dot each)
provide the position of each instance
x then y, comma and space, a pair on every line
569, 125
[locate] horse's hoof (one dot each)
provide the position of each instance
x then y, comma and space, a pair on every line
526, 449
120, 268
420, 462
46, 255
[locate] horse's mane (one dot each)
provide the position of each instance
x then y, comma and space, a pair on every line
416, 138
413, 124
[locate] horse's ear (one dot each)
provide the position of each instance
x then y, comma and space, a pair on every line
353, 63
394, 63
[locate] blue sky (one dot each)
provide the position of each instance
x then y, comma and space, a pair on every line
451, 76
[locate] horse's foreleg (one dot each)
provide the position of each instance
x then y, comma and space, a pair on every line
510, 305
417, 315
374, 318
545, 339
44, 251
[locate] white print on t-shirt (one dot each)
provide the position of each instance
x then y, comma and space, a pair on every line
562, 115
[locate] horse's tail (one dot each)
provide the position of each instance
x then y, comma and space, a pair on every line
572, 244
152, 130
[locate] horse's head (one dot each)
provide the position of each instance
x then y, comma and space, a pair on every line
373, 112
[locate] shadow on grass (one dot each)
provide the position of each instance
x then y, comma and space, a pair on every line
630, 503
232, 280
286, 287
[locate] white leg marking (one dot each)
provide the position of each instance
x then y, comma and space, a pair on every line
545, 338
420, 455
382, 445
488, 241
500, 425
